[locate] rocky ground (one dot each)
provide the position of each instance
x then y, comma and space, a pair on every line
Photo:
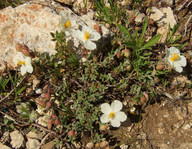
165, 123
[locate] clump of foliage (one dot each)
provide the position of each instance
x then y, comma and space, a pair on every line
6, 3
124, 70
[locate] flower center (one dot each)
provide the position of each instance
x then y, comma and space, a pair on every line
111, 115
174, 57
21, 63
67, 24
87, 35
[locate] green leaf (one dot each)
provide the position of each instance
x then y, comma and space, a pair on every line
145, 23
175, 29
21, 89
123, 29
183, 45
130, 44
177, 38
151, 42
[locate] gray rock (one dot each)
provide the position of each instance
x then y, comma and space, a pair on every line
140, 18
187, 145
31, 24
4, 146
163, 31
32, 144
17, 139
163, 16
33, 135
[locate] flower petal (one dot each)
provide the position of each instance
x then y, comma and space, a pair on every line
73, 22
96, 36
115, 123
182, 61
173, 50
88, 29
23, 70
116, 106
78, 34
104, 118
28, 60
121, 116
29, 68
90, 45
177, 67
106, 108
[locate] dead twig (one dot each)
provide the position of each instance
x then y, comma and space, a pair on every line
187, 25
45, 129
43, 140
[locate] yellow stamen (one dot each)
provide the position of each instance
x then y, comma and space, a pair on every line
21, 63
174, 57
87, 35
67, 24
111, 115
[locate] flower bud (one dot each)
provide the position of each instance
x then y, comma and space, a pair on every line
48, 104
71, 133
128, 67
57, 122
118, 55
103, 127
159, 67
156, 79
97, 145
90, 145
49, 124
47, 96
25, 52
54, 116
126, 53
41, 103
142, 98
18, 47
104, 144
95, 59
146, 96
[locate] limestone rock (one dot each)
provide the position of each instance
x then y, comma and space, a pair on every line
123, 146
139, 18
33, 135
43, 120
163, 31
32, 144
163, 16
5, 138
4, 146
31, 24
17, 139
187, 145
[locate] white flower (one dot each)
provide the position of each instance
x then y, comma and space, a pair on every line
176, 60
112, 113
67, 24
24, 62
86, 36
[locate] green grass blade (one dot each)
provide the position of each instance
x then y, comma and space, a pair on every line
145, 23
123, 29
151, 42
